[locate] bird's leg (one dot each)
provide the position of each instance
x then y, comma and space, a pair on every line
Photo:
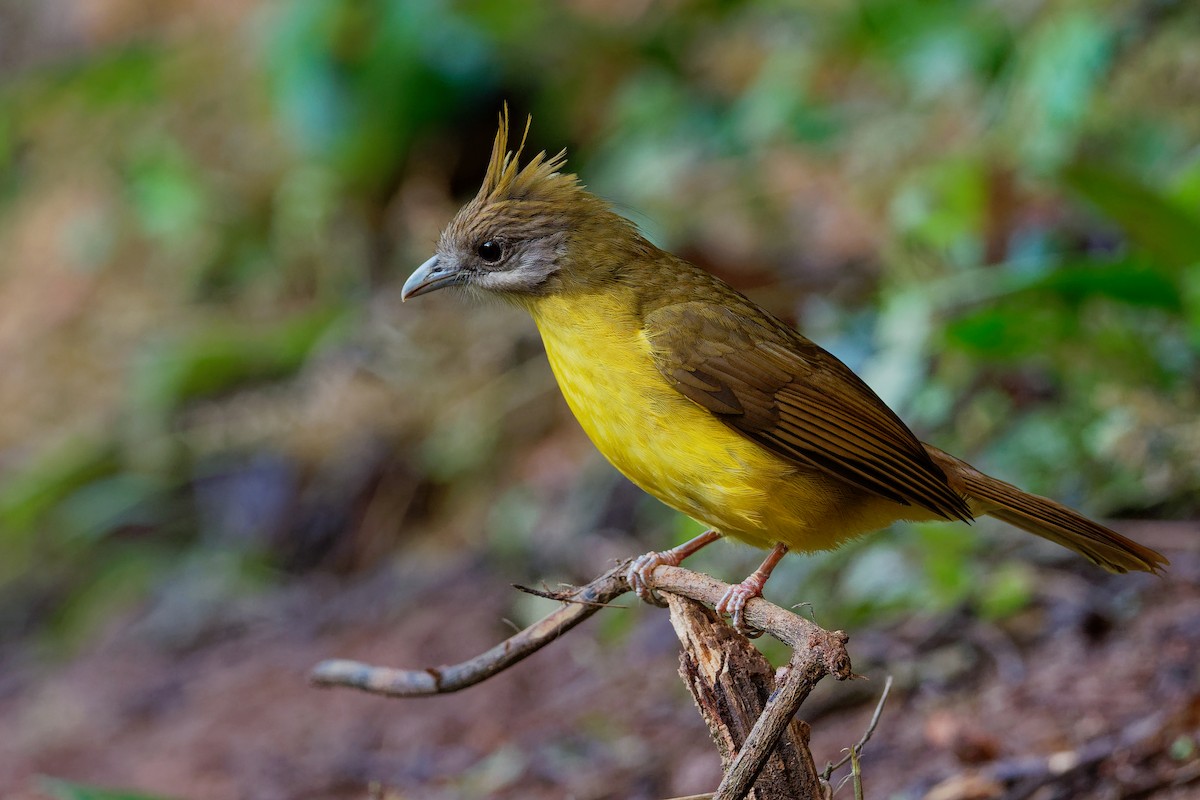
733, 602
639, 571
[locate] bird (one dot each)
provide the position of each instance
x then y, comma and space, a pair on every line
705, 400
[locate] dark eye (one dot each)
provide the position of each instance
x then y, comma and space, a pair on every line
490, 251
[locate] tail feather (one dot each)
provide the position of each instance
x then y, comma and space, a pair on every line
1048, 519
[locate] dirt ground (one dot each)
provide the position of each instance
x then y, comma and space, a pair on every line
1094, 692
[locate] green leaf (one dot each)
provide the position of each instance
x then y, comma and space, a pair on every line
219, 358
1007, 330
943, 206
105, 581
1044, 308
104, 505
1183, 748
68, 790
1125, 281
356, 81
30, 492
128, 76
946, 555
1151, 221
1008, 590
167, 194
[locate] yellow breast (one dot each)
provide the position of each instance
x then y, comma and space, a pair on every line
672, 448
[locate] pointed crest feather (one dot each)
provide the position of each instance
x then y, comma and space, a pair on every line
539, 179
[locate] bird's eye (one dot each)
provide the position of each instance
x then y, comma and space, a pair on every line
490, 251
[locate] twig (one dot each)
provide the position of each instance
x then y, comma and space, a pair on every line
566, 595
732, 684
444, 679
787, 627
816, 653
857, 749
581, 604
805, 669
856, 773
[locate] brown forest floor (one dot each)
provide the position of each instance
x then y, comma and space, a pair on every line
1102, 671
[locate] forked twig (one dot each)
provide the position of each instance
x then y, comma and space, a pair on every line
580, 605
815, 653
802, 675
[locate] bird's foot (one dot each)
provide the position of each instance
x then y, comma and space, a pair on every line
639, 574
733, 603
641, 567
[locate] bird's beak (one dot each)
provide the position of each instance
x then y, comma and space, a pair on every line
429, 277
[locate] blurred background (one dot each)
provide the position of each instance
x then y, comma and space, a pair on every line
227, 452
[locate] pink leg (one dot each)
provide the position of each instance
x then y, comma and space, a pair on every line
734, 600
639, 571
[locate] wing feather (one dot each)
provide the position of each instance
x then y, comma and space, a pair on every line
777, 388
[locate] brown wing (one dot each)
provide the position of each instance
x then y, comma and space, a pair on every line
786, 393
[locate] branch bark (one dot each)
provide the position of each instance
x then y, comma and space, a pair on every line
732, 684
578, 606
748, 715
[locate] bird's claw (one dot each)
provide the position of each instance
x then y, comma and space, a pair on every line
733, 603
639, 575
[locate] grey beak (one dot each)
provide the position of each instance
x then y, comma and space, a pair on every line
430, 277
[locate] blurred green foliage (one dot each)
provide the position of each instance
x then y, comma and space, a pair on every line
67, 790
992, 211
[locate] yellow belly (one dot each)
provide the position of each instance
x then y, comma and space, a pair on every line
678, 451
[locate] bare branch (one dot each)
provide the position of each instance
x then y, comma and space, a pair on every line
564, 595
579, 605
784, 625
806, 667
816, 653
732, 684
582, 603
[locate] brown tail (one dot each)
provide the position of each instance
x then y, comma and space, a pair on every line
1046, 518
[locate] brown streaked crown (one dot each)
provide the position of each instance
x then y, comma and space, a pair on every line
540, 179
552, 233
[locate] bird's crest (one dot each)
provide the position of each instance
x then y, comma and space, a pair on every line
540, 179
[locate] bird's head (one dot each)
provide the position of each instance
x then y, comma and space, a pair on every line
515, 238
